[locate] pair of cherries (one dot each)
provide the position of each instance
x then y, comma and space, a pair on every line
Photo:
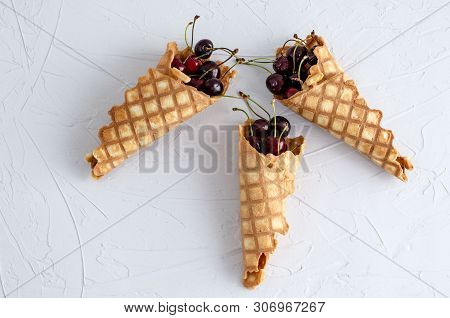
266, 136
269, 136
205, 74
291, 69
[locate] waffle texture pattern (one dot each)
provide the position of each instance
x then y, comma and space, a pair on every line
331, 100
266, 181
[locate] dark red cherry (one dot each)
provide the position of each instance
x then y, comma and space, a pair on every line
211, 70
299, 51
295, 82
260, 127
196, 82
282, 65
311, 56
213, 87
192, 65
178, 64
290, 92
310, 60
203, 48
275, 145
275, 83
255, 142
279, 123
304, 72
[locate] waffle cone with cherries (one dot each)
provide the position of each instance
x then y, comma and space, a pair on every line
331, 100
266, 181
159, 102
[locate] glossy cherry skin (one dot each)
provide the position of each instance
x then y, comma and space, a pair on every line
275, 83
255, 142
279, 124
196, 82
192, 65
275, 145
178, 64
203, 49
295, 82
213, 87
282, 65
290, 92
299, 51
307, 64
260, 127
211, 70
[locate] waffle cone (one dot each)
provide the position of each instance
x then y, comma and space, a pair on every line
159, 102
265, 183
331, 100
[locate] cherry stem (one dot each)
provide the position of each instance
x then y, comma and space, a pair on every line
251, 109
281, 135
299, 67
260, 66
243, 96
229, 96
243, 62
261, 60
296, 37
233, 53
292, 40
284, 129
215, 49
274, 119
200, 56
192, 31
293, 58
185, 35
222, 48
247, 97
248, 117
229, 69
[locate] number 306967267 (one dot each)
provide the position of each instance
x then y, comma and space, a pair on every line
296, 306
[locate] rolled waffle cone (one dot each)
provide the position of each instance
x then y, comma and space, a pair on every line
265, 183
159, 102
331, 100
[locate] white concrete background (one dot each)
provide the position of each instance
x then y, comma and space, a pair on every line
355, 231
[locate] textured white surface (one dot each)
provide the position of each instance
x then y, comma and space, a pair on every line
354, 230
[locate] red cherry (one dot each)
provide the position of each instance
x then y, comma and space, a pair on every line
275, 145
255, 142
213, 87
295, 82
192, 65
196, 82
275, 83
211, 70
281, 124
296, 53
260, 127
178, 64
291, 91
307, 64
282, 65
204, 48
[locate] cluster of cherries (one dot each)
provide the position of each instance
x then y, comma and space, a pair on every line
205, 74
291, 68
266, 136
